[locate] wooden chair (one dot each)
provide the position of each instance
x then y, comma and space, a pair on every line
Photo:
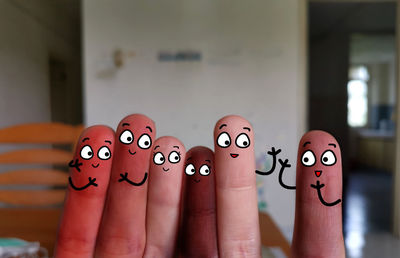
271, 236
31, 198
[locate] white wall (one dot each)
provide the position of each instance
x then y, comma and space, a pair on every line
29, 33
252, 65
24, 87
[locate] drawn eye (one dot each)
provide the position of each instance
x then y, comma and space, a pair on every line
86, 152
190, 170
224, 140
308, 158
328, 158
126, 137
204, 170
174, 157
144, 141
104, 153
159, 158
242, 141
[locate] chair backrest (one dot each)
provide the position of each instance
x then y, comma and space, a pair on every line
271, 235
36, 186
30, 197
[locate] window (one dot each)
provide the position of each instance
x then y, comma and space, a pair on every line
357, 102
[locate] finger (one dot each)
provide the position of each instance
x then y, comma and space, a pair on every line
318, 227
165, 181
199, 229
123, 232
237, 212
84, 201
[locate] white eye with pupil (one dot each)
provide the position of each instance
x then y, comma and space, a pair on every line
190, 170
242, 141
224, 140
104, 153
204, 170
86, 152
159, 158
126, 137
144, 141
308, 158
174, 157
328, 158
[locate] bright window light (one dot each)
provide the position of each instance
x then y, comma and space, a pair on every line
359, 73
357, 103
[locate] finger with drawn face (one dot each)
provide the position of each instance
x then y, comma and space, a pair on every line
318, 220
165, 181
198, 228
86, 193
237, 211
123, 232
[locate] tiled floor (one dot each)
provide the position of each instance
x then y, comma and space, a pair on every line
367, 216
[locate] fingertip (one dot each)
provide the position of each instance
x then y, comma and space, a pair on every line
318, 216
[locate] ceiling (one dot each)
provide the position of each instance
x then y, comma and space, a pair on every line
325, 18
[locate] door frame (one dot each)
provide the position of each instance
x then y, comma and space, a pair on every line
396, 172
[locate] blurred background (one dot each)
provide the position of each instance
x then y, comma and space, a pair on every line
287, 66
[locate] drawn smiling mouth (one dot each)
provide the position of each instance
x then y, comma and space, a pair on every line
165, 169
91, 182
234, 155
98, 164
124, 177
132, 153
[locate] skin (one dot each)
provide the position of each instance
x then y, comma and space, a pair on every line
84, 201
237, 212
318, 220
164, 196
123, 232
199, 228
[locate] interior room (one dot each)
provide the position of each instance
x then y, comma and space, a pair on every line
288, 67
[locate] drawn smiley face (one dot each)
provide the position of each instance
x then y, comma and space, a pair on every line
167, 153
135, 127
199, 163
320, 159
135, 137
319, 155
92, 159
234, 135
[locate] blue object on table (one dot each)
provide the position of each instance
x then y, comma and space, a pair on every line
14, 247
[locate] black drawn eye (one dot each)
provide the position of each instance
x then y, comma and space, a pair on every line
224, 140
190, 170
86, 152
174, 157
104, 153
308, 158
243, 140
328, 158
204, 170
159, 158
126, 137
144, 141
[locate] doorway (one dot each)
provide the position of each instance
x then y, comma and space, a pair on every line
65, 91
352, 95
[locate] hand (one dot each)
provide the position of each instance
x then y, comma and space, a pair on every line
285, 163
75, 165
274, 152
224, 201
